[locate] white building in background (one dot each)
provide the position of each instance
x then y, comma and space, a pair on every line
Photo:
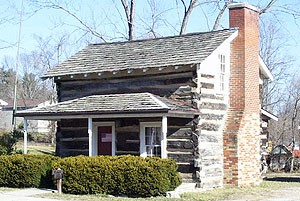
2, 103
6, 115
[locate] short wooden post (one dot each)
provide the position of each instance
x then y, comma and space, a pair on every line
58, 185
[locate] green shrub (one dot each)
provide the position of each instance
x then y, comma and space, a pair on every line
3, 150
169, 168
118, 175
19, 171
8, 140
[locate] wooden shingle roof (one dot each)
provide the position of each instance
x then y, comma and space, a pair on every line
110, 104
152, 53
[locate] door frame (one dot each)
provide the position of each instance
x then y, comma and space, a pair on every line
95, 137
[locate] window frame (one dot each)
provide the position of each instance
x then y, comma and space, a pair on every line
222, 71
143, 146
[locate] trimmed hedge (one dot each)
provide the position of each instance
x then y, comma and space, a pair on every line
20, 171
128, 175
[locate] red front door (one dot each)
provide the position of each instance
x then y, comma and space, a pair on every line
104, 140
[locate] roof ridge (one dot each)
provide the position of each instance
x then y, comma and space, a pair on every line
164, 37
162, 104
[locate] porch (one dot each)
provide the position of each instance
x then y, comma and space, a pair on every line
138, 124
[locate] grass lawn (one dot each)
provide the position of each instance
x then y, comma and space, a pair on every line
4, 189
274, 181
37, 148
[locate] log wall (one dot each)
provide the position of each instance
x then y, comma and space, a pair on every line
162, 85
72, 137
181, 143
209, 156
127, 136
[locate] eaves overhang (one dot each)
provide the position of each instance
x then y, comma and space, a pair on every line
269, 115
112, 106
264, 69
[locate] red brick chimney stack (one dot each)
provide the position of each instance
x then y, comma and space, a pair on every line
241, 133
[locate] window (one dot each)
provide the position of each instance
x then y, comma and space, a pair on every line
222, 73
153, 141
150, 139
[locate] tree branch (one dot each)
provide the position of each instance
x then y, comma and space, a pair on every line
93, 32
187, 13
130, 17
268, 6
220, 15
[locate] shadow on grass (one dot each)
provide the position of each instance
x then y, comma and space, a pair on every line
284, 179
46, 152
41, 152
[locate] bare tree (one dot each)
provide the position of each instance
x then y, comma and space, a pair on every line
279, 130
63, 6
285, 131
272, 43
187, 12
220, 14
45, 57
152, 19
223, 8
129, 8
214, 8
9, 15
31, 87
294, 97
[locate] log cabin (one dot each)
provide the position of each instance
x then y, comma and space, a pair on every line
194, 98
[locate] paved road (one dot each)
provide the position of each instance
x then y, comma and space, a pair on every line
24, 195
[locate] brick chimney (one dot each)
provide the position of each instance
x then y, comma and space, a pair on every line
242, 128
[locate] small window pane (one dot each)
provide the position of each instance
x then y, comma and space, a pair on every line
153, 141
222, 72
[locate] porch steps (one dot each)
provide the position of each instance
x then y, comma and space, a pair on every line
187, 177
184, 187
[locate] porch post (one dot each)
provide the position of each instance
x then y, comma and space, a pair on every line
90, 132
164, 137
25, 137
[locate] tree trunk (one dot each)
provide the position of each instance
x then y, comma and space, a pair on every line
187, 13
130, 16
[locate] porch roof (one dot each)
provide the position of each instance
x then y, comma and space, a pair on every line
112, 105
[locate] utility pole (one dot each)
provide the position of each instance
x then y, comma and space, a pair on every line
295, 112
14, 123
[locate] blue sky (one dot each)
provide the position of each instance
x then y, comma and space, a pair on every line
52, 24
